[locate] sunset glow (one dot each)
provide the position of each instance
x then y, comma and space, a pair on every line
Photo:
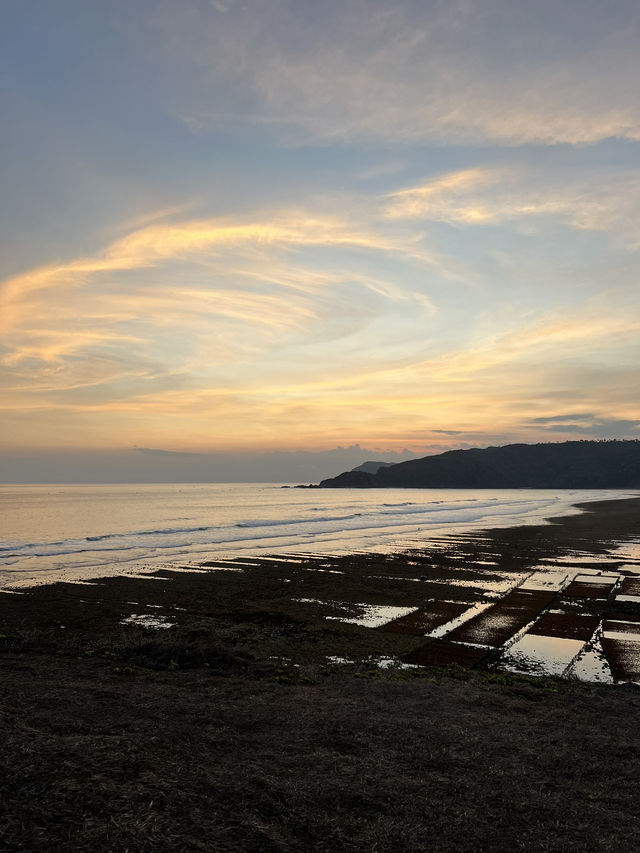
250, 226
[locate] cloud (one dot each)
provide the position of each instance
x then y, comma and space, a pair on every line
547, 340
155, 465
497, 195
447, 198
233, 271
588, 424
458, 72
309, 329
563, 419
151, 246
172, 309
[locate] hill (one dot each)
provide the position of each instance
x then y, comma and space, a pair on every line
372, 467
561, 465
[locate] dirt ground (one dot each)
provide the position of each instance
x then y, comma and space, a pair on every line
233, 730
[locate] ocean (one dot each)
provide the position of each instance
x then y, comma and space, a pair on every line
66, 532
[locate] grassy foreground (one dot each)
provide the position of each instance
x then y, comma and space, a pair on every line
231, 732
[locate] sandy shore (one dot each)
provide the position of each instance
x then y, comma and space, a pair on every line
233, 730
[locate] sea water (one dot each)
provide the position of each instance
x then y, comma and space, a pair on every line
53, 532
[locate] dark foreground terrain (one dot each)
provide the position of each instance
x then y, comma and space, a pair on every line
232, 730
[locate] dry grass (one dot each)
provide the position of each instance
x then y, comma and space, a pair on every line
189, 761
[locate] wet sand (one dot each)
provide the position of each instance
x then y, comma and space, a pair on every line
262, 719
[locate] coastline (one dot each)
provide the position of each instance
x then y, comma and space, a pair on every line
234, 726
73, 533
240, 602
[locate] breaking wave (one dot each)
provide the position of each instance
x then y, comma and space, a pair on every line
242, 519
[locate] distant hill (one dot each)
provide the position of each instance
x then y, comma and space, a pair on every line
372, 467
562, 465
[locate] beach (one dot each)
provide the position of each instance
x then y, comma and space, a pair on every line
320, 434
331, 702
76, 532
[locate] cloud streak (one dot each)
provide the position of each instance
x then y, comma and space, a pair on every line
191, 298
498, 195
457, 72
152, 245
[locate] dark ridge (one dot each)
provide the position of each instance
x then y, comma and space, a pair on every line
372, 467
561, 465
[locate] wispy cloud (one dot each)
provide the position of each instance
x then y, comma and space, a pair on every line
153, 245
457, 72
255, 325
589, 425
448, 198
186, 298
497, 195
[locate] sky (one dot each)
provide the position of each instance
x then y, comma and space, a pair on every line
251, 231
